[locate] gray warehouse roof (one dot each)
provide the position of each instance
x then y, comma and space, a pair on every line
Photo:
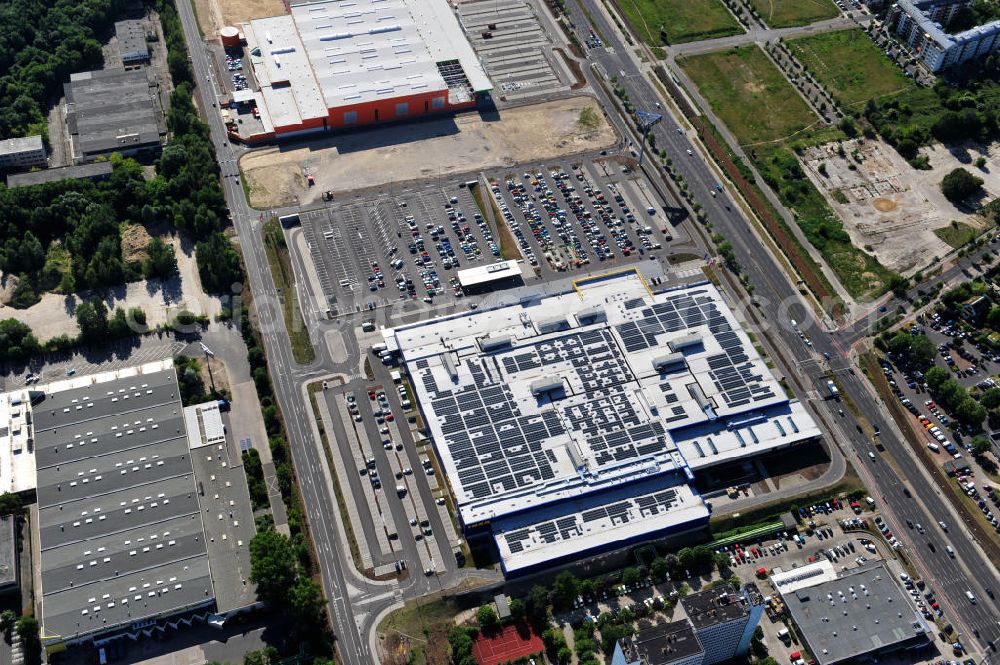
862, 611
132, 41
8, 553
112, 110
122, 539
92, 171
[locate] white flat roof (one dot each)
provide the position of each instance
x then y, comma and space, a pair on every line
490, 272
204, 424
611, 519
282, 69
804, 576
337, 53
617, 419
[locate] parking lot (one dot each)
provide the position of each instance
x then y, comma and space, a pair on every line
376, 252
515, 49
403, 246
570, 216
399, 515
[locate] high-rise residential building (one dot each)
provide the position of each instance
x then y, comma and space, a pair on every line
922, 25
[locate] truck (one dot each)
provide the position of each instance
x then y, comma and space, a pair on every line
832, 388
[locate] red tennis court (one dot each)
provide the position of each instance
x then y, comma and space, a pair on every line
508, 644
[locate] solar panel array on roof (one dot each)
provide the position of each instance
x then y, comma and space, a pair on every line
568, 527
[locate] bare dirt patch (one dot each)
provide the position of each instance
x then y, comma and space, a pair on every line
134, 241
890, 208
883, 204
213, 14
437, 148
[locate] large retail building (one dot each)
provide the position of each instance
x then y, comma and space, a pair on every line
343, 63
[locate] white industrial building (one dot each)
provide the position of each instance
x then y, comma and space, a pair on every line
574, 422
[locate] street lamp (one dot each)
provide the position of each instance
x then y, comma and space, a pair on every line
646, 122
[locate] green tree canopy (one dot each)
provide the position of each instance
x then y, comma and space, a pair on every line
959, 185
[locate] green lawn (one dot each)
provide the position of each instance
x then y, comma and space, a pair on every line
956, 234
679, 20
281, 271
788, 13
749, 94
851, 66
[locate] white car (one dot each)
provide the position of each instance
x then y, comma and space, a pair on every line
690, 152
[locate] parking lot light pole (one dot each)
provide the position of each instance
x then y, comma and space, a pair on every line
646, 122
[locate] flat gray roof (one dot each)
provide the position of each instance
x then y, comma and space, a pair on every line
665, 643
132, 40
862, 611
113, 110
122, 537
228, 518
8, 552
19, 144
94, 170
714, 606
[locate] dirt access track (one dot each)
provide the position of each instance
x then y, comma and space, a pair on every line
276, 176
214, 14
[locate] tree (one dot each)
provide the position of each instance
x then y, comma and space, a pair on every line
898, 285
27, 630
959, 185
630, 577
17, 342
658, 569
92, 318
935, 378
272, 567
306, 601
161, 261
517, 609
990, 398
970, 412
980, 445
265, 656
7, 620
486, 616
218, 264
538, 605
565, 589
10, 503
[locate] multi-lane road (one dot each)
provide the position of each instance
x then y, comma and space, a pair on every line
778, 298
355, 602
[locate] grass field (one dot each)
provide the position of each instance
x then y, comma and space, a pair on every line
284, 281
749, 94
788, 13
956, 234
851, 66
680, 20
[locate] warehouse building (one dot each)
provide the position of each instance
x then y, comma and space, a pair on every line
144, 516
132, 44
574, 422
113, 111
921, 24
22, 153
862, 615
94, 171
336, 64
9, 572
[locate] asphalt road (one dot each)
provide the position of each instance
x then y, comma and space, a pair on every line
779, 303
354, 602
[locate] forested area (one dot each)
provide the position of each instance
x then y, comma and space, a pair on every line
41, 44
65, 236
